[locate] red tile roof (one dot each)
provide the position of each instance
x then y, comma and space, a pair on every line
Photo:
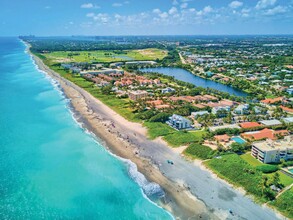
286, 109
223, 137
249, 125
271, 101
264, 134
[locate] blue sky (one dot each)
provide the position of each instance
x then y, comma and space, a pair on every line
145, 17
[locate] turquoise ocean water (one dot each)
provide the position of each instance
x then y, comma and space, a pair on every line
50, 168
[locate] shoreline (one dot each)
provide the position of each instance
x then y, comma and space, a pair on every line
177, 200
98, 118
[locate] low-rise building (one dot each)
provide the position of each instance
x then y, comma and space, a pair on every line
136, 95
199, 113
273, 151
264, 134
242, 109
179, 122
167, 90
249, 125
288, 120
273, 122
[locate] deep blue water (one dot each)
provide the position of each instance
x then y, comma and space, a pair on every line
186, 76
50, 168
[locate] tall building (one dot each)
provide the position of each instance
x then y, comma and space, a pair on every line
270, 151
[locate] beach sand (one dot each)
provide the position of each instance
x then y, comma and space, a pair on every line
192, 192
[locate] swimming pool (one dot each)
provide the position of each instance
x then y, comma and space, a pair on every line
290, 170
238, 140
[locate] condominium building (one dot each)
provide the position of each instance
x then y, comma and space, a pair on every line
270, 151
136, 95
179, 122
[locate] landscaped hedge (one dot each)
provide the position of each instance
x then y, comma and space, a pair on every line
200, 151
267, 168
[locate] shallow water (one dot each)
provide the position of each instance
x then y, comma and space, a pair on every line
49, 166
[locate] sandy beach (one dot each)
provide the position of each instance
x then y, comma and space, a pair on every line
192, 192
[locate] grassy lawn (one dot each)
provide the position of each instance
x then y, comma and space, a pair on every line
198, 151
284, 203
180, 138
157, 129
251, 160
238, 172
284, 179
105, 56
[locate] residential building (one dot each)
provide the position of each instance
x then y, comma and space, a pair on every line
167, 90
222, 138
179, 122
199, 113
273, 151
136, 95
264, 134
273, 122
247, 125
288, 120
221, 109
242, 109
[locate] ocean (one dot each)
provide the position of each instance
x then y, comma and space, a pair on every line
50, 167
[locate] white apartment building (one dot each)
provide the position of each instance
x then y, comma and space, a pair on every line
270, 151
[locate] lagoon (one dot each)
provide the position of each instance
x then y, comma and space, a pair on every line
187, 76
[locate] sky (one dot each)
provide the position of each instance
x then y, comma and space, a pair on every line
145, 17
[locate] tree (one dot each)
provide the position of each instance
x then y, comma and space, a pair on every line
276, 179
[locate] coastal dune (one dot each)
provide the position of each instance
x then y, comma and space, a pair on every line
191, 191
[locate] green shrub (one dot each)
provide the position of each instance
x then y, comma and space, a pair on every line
284, 203
200, 151
161, 117
267, 168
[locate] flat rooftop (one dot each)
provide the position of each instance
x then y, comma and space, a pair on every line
214, 128
271, 122
282, 144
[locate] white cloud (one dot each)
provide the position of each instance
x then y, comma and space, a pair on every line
102, 18
235, 4
90, 15
157, 11
184, 5
48, 7
87, 5
173, 11
163, 15
207, 9
265, 3
116, 4
276, 10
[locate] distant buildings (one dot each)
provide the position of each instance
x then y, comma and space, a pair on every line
273, 151
141, 63
136, 95
106, 71
179, 122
